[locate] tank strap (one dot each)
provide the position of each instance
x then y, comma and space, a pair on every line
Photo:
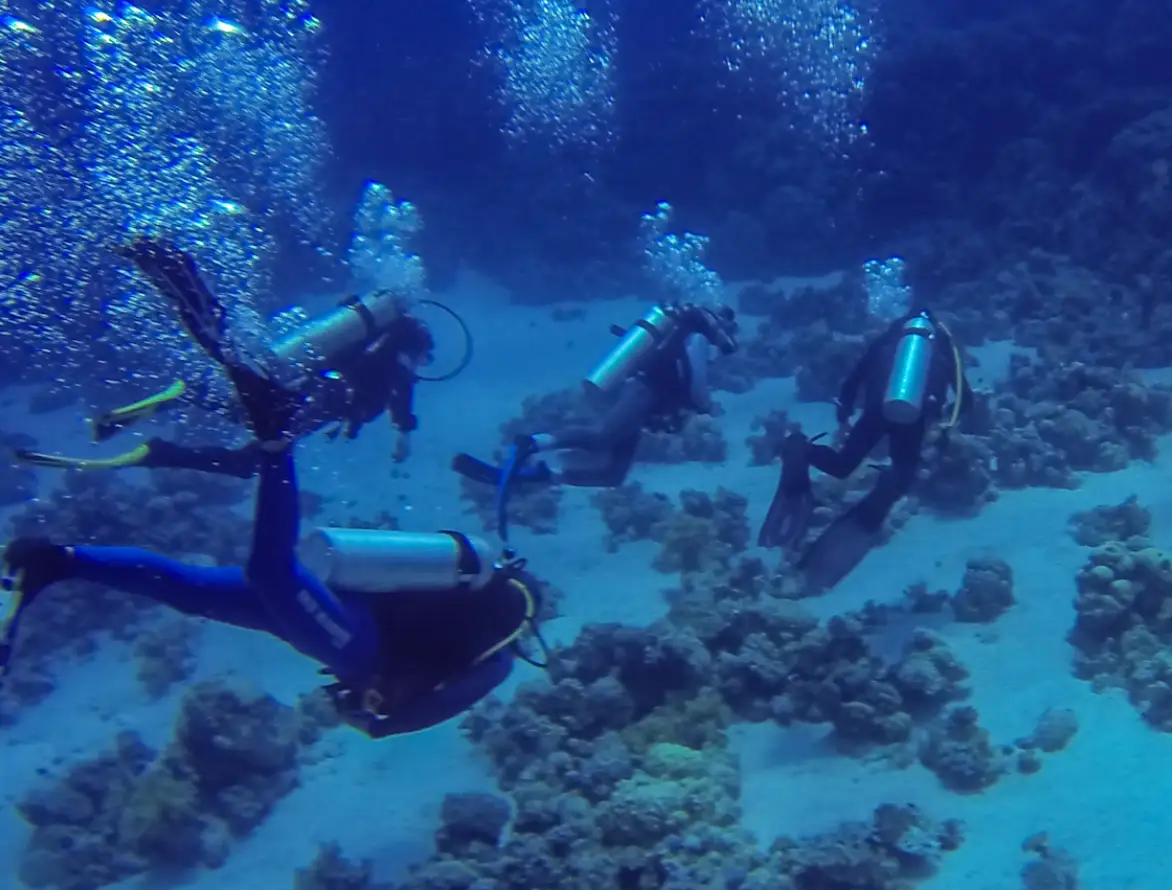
469, 565
958, 383
362, 311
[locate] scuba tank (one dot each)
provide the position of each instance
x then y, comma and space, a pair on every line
377, 561
904, 398
355, 321
639, 341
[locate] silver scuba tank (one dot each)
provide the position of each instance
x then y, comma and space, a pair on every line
377, 561
354, 321
904, 398
639, 341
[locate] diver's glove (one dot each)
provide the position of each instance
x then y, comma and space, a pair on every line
524, 447
402, 447
717, 324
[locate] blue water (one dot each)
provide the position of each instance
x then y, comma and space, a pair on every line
547, 169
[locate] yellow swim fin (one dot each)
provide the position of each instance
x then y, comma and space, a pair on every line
106, 425
12, 589
131, 458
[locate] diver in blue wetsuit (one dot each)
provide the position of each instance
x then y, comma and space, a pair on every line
416, 628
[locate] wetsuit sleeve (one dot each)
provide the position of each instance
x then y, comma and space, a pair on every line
849, 392
401, 401
444, 704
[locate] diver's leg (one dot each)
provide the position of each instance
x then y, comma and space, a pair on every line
307, 613
606, 469
623, 419
239, 462
906, 443
601, 456
217, 592
595, 454
860, 441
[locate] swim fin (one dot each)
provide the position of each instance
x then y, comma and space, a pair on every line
174, 274
841, 547
28, 566
104, 426
132, 458
789, 514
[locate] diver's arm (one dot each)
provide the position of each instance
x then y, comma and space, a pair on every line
700, 320
442, 704
401, 400
399, 405
849, 392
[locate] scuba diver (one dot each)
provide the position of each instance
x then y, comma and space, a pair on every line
905, 375
655, 379
415, 628
357, 361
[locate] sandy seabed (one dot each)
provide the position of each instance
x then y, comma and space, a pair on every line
1105, 798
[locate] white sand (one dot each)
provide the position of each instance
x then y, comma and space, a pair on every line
1104, 797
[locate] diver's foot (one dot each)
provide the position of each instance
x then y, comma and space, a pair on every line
30, 565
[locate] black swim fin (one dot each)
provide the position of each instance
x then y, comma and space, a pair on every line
789, 514
475, 469
841, 547
27, 566
132, 458
175, 275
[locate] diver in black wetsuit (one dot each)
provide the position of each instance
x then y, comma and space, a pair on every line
904, 375
657, 377
356, 362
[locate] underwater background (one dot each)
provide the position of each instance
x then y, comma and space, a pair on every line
985, 702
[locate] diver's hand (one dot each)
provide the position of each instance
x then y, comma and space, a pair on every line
402, 447
842, 412
525, 447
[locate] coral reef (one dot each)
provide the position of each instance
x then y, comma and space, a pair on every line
960, 753
130, 810
631, 514
986, 591
1124, 625
767, 433
330, 870
165, 653
534, 507
698, 439
1056, 727
1050, 868
705, 533
1054, 420
1093, 528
